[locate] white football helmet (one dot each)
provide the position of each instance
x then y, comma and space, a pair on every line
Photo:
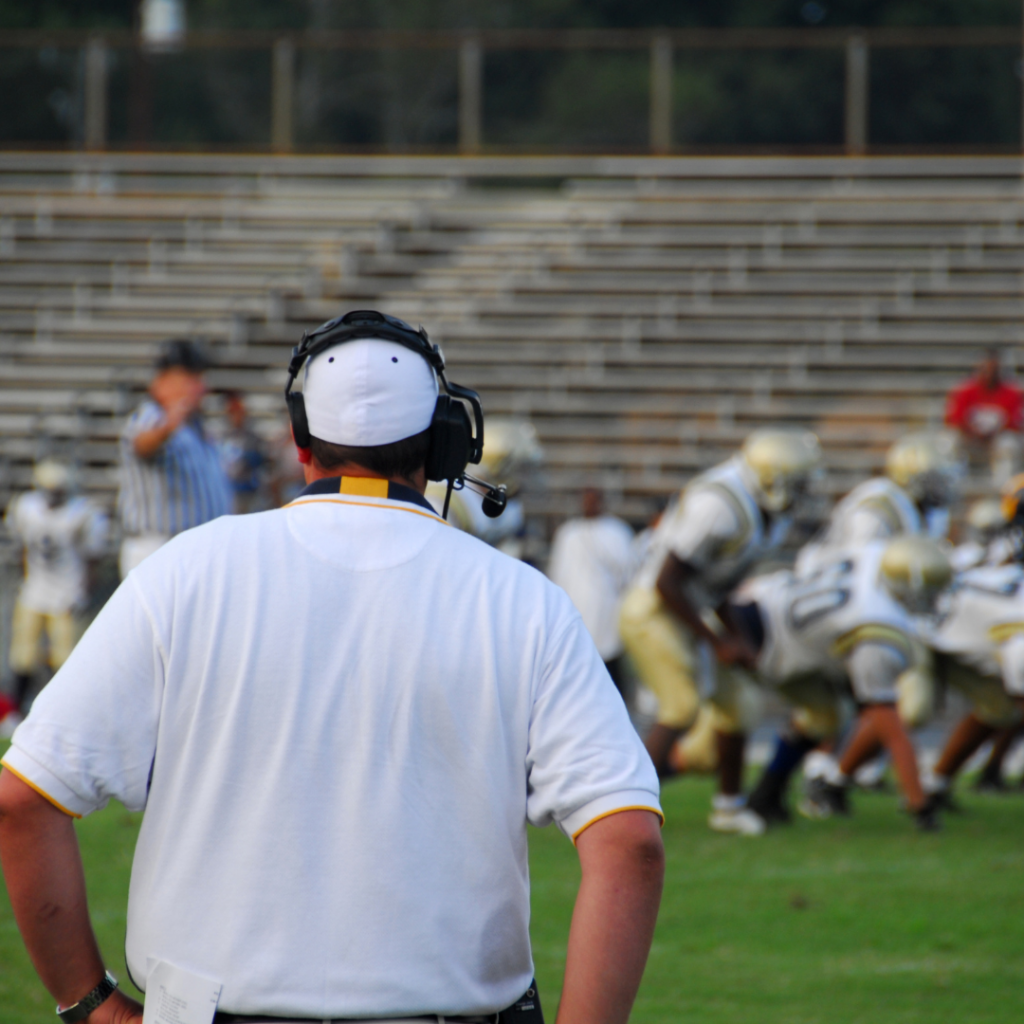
784, 460
915, 570
927, 465
52, 475
511, 446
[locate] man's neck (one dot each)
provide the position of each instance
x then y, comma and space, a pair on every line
313, 471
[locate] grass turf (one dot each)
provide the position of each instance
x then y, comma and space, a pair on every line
837, 922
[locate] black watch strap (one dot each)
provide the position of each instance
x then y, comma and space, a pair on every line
99, 995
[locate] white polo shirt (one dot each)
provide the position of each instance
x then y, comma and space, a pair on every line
339, 718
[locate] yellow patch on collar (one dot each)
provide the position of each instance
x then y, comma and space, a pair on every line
365, 486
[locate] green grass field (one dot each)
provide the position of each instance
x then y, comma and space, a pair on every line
846, 922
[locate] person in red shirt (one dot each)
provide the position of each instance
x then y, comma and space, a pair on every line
988, 411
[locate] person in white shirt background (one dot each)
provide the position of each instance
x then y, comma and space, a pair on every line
593, 560
338, 718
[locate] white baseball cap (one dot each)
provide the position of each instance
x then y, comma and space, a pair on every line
368, 392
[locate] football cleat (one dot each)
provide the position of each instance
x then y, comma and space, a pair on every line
824, 800
740, 821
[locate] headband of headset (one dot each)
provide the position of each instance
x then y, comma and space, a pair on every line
453, 442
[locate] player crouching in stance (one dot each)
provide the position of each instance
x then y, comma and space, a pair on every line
888, 673
845, 624
725, 520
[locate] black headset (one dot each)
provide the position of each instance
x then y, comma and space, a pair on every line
454, 443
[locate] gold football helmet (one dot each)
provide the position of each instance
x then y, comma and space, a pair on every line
926, 464
987, 516
52, 475
1012, 504
511, 446
783, 459
915, 570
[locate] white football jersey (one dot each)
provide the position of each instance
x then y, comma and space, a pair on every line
57, 541
716, 527
983, 623
875, 510
814, 623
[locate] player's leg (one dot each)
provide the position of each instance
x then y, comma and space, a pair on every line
815, 718
26, 631
60, 632
663, 654
697, 750
736, 703
991, 779
992, 709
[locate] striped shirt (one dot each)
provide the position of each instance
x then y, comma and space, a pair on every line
181, 486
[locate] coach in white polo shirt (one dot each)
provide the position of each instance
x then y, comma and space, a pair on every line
338, 718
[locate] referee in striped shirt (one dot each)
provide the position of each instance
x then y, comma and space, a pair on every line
171, 473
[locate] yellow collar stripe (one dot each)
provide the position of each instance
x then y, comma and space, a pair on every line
364, 486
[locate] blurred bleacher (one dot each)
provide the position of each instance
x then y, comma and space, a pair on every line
645, 313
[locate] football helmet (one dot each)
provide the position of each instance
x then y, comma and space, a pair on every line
511, 446
783, 460
926, 464
52, 475
915, 570
986, 517
1012, 503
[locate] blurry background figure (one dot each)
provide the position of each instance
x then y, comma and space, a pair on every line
61, 532
592, 561
987, 411
285, 480
245, 457
171, 473
511, 451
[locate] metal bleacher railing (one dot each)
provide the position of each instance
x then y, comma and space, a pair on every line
471, 48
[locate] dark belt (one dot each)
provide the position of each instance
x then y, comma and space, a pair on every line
220, 1017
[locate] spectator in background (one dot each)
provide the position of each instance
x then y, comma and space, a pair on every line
592, 560
988, 411
60, 532
245, 456
171, 473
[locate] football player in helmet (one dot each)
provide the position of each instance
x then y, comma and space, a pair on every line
890, 678
840, 625
511, 450
980, 646
922, 472
60, 531
674, 622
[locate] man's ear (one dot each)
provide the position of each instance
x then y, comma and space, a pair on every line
305, 454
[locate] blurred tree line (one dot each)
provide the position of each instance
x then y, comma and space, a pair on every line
595, 100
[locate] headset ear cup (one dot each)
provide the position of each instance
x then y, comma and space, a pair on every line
450, 440
297, 414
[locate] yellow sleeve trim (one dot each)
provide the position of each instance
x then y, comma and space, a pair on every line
364, 486
46, 796
1001, 633
873, 633
618, 810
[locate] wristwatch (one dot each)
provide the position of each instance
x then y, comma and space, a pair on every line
100, 994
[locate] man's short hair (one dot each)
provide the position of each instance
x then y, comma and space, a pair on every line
400, 458
182, 353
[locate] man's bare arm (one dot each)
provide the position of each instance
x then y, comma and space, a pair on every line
42, 867
623, 863
729, 648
